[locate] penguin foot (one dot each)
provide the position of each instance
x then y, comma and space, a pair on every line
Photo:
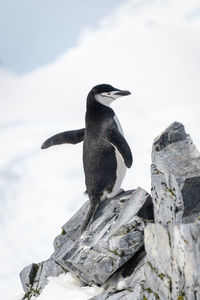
121, 191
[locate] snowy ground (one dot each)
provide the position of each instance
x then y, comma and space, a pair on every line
66, 287
148, 47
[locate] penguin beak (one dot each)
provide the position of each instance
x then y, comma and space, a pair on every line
122, 93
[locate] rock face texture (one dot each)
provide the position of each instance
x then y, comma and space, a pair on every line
173, 261
172, 269
175, 178
126, 250
113, 238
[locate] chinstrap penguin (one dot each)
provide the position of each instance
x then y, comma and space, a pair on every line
106, 153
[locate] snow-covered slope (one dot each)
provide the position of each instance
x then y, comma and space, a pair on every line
148, 47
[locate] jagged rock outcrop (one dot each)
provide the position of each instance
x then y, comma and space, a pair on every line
113, 238
175, 179
121, 251
172, 269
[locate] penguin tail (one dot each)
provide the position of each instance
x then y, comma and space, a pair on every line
92, 209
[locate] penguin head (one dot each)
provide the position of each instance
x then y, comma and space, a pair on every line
106, 94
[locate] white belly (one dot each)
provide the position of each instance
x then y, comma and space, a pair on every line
121, 167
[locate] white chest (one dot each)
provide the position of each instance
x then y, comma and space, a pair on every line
118, 125
121, 167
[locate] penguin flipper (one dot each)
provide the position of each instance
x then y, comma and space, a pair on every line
92, 209
118, 141
70, 137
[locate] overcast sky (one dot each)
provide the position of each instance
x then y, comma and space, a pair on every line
35, 32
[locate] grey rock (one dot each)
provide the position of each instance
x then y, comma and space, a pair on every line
104, 296
126, 294
127, 282
71, 231
48, 268
114, 236
175, 176
122, 295
135, 293
129, 274
27, 276
173, 261
34, 277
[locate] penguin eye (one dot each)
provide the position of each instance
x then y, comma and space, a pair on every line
108, 93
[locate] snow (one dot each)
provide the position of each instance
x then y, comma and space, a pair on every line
148, 47
66, 287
